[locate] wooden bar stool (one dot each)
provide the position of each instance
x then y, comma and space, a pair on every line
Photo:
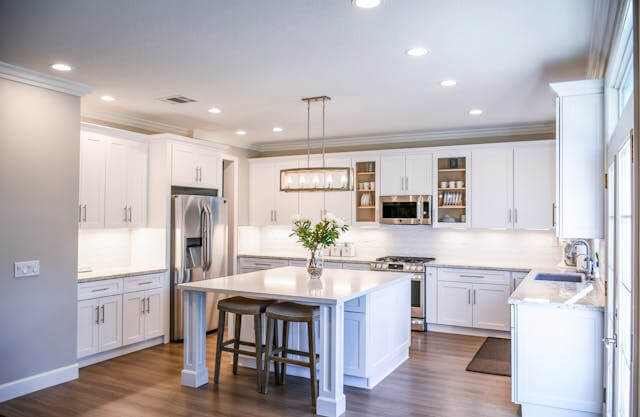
241, 306
297, 313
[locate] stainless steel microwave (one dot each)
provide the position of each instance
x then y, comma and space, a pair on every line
405, 209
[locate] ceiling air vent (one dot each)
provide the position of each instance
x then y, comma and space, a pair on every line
177, 100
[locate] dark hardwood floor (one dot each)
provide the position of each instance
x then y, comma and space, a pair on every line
433, 382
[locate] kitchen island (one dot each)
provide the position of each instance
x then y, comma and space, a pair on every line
370, 310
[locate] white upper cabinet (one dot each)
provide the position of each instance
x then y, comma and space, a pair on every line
92, 180
267, 204
195, 166
286, 203
534, 182
579, 159
492, 196
405, 173
126, 184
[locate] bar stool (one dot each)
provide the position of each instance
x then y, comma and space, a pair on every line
241, 306
296, 313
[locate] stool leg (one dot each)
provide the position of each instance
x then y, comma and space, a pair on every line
267, 355
257, 328
236, 344
312, 362
285, 346
276, 368
221, 324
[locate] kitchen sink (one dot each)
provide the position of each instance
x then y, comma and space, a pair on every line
559, 277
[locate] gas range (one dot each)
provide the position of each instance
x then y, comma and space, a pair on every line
400, 263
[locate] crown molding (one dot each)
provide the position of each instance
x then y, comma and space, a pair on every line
543, 129
603, 24
137, 122
212, 136
38, 79
576, 88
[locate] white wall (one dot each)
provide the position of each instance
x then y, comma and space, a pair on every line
530, 248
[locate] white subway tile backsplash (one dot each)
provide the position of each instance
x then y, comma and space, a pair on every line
115, 248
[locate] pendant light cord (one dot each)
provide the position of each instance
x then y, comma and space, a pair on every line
323, 102
308, 134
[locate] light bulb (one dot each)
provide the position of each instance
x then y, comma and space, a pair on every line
329, 180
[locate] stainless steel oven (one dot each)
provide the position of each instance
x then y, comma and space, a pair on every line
405, 209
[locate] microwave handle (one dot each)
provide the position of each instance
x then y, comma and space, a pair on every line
420, 209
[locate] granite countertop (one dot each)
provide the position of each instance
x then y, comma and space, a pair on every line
293, 283
575, 295
441, 262
126, 271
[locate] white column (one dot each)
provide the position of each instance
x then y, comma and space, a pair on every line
331, 401
195, 372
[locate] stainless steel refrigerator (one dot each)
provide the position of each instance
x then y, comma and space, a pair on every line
199, 239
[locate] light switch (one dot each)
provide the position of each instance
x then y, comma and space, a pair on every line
26, 269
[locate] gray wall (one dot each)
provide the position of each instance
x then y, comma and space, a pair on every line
39, 156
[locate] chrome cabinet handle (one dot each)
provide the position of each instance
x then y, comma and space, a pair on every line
97, 314
196, 174
271, 215
99, 289
468, 296
474, 296
125, 213
79, 213
509, 216
142, 304
553, 214
275, 215
148, 304
129, 214
406, 183
84, 216
471, 276
402, 183
145, 283
515, 215
103, 313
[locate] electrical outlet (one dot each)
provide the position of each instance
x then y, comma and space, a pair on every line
26, 269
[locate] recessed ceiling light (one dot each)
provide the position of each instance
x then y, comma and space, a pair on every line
214, 110
241, 132
107, 98
59, 66
475, 112
448, 83
277, 129
366, 4
419, 51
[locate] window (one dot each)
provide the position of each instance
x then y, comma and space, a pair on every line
626, 87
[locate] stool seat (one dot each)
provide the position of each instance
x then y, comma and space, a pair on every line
244, 305
293, 312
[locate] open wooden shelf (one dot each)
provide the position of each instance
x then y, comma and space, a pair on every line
366, 207
452, 189
366, 173
452, 169
451, 207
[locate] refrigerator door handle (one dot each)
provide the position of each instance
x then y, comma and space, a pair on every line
205, 225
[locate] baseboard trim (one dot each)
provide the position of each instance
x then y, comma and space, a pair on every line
110, 354
37, 382
469, 331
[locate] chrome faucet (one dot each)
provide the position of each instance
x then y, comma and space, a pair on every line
588, 269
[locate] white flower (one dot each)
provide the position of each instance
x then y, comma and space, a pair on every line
339, 221
295, 218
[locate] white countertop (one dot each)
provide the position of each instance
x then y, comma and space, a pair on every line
577, 295
457, 261
119, 272
293, 283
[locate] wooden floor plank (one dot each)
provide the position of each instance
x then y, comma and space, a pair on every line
432, 383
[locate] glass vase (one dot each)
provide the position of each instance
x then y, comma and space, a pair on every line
315, 263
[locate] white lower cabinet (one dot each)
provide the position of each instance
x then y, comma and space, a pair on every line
454, 306
142, 316
490, 306
99, 325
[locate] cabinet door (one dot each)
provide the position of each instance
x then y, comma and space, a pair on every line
419, 171
137, 162
492, 196
115, 214
261, 196
454, 303
183, 166
153, 316
92, 181
491, 307
88, 327
431, 299
285, 204
354, 344
210, 170
534, 187
133, 317
338, 202
110, 322
392, 173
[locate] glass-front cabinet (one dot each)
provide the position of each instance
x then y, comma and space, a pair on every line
365, 202
452, 180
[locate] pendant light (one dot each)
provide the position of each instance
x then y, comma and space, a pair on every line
317, 178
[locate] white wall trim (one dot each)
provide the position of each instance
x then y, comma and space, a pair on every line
603, 22
172, 138
37, 382
544, 129
134, 121
124, 350
27, 76
576, 88
212, 136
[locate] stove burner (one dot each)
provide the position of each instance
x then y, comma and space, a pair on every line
405, 259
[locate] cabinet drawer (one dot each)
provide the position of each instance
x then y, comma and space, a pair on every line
357, 305
262, 263
356, 266
297, 262
333, 265
143, 282
485, 276
102, 288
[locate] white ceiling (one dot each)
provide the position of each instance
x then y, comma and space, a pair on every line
256, 59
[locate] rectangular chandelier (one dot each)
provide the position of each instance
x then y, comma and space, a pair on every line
316, 179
